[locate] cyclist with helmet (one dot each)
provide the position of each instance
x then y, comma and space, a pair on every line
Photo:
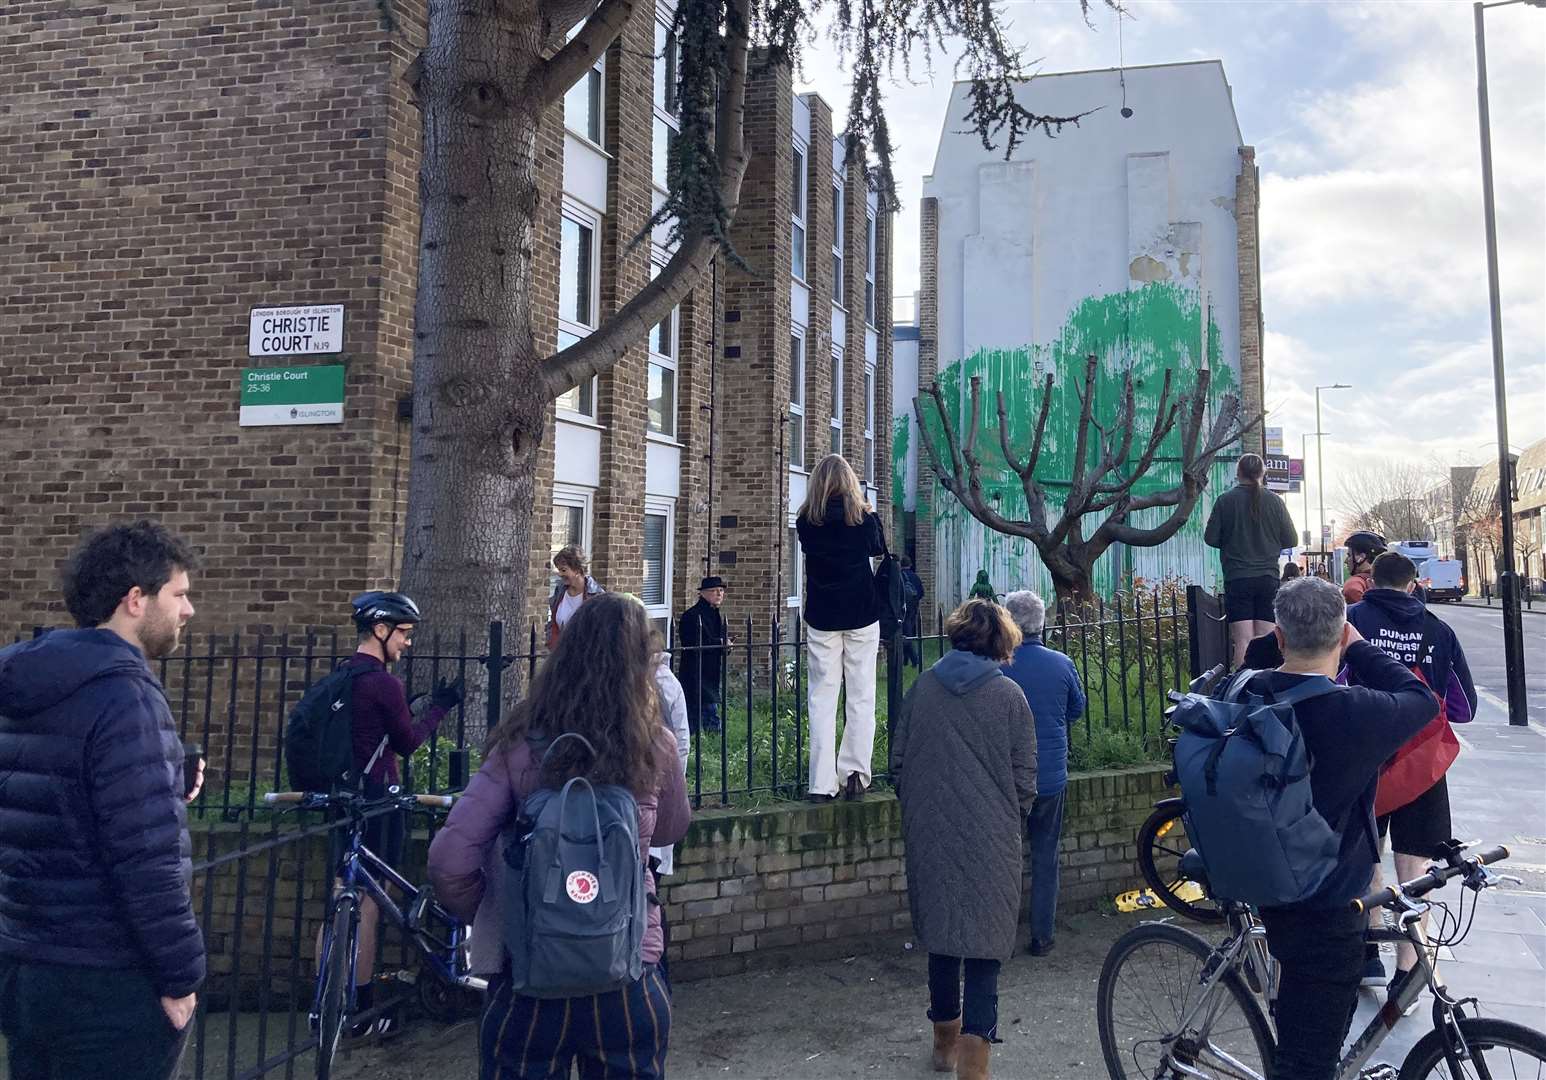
385, 726
1363, 548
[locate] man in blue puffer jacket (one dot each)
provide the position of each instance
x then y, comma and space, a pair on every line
1056, 696
100, 955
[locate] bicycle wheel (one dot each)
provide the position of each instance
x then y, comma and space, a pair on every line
334, 996
1151, 980
1161, 843
1499, 1049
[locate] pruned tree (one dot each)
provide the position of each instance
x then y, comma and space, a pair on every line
482, 385
1105, 471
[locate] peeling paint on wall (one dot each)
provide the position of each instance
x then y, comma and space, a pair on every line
1155, 326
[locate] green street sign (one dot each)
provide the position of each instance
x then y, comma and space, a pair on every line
292, 395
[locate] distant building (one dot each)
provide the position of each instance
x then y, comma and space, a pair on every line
1131, 238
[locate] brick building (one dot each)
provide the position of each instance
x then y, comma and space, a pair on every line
173, 164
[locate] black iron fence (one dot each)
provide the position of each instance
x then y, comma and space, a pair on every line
261, 882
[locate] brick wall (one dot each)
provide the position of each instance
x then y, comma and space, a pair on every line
1248, 267
925, 556
788, 883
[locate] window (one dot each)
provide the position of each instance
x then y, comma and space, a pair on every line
582, 104
794, 586
837, 245
576, 270
869, 269
661, 393
577, 264
667, 105
837, 400
571, 522
797, 215
869, 423
655, 583
796, 401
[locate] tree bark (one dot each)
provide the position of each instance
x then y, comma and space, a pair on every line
478, 407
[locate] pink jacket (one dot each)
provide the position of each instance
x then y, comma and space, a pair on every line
465, 855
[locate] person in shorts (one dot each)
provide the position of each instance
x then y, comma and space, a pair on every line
1250, 526
1394, 620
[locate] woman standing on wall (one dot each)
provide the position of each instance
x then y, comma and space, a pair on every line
964, 759
839, 534
1250, 526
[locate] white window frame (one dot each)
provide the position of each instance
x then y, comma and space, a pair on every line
599, 71
588, 219
570, 496
839, 264
794, 566
871, 241
797, 398
836, 409
869, 425
655, 506
799, 214
660, 113
658, 260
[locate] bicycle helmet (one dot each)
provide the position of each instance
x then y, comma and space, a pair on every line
392, 608
1365, 543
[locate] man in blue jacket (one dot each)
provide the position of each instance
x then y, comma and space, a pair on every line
100, 955
1056, 696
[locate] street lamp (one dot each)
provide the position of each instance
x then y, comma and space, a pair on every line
1320, 458
1304, 485
1508, 580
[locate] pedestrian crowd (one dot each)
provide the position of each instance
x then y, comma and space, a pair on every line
95, 853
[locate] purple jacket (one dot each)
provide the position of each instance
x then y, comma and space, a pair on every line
465, 854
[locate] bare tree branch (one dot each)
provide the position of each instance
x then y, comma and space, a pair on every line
577, 56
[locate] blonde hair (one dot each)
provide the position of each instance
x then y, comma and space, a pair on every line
984, 628
833, 477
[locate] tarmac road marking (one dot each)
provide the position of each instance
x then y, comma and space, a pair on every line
1493, 699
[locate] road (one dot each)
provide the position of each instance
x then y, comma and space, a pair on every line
1480, 630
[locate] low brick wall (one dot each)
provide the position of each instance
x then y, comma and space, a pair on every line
787, 883
797, 882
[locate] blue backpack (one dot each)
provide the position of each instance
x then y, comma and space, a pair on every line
573, 897
1245, 777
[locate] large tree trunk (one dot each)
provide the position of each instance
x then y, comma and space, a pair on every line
479, 404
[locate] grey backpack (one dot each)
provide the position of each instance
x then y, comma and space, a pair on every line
1245, 775
574, 901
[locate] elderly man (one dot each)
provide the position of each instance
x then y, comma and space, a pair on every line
1056, 696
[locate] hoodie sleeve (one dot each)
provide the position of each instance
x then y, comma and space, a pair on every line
136, 802
1460, 670
1286, 537
1213, 534
458, 852
673, 813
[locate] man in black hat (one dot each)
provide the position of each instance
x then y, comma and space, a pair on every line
704, 641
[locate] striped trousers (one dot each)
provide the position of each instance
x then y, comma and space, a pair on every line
621, 1034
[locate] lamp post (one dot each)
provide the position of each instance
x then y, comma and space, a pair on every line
1320, 457
1508, 580
1304, 487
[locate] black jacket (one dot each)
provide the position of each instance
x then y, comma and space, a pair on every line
1349, 735
702, 628
1249, 544
95, 860
839, 581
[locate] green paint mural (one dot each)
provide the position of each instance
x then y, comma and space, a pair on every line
1146, 330
901, 434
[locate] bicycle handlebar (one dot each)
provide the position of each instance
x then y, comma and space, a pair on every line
317, 799
1433, 879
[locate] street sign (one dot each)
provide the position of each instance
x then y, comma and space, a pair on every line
296, 331
1274, 440
292, 395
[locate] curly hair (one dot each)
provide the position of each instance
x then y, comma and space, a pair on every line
598, 682
111, 561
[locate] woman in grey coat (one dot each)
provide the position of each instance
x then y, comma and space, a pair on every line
964, 758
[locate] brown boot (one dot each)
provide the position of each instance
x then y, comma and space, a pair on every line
945, 1036
972, 1057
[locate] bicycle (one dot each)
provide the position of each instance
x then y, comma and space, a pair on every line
1162, 840
447, 990
1214, 1029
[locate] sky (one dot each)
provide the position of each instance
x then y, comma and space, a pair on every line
1364, 118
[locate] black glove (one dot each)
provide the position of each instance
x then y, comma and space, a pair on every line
447, 695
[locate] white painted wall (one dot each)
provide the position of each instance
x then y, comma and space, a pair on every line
1093, 212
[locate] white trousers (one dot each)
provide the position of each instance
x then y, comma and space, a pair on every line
838, 657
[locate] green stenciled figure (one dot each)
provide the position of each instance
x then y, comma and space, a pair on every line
982, 588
